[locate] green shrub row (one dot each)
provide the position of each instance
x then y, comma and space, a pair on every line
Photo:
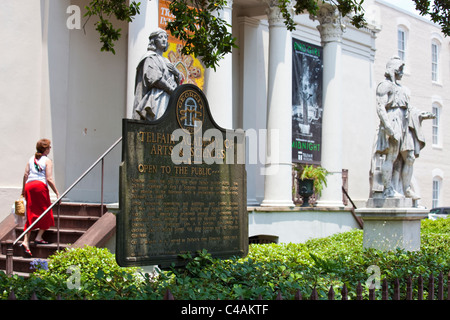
92, 273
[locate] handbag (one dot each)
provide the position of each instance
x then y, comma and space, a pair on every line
19, 206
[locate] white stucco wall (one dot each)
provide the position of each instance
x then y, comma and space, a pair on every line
95, 106
359, 111
298, 226
55, 83
21, 93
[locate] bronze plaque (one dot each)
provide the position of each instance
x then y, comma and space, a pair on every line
182, 186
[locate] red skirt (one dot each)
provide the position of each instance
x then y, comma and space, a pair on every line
37, 196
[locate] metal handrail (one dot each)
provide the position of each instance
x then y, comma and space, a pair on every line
69, 189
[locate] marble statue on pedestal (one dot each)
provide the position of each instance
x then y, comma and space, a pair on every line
392, 218
399, 138
156, 79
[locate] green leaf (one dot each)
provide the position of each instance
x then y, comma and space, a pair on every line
105, 10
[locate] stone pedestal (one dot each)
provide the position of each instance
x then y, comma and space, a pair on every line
379, 202
391, 228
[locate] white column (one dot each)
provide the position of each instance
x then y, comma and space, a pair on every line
219, 83
278, 173
45, 112
331, 30
253, 98
138, 32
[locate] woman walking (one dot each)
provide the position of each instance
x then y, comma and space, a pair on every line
38, 176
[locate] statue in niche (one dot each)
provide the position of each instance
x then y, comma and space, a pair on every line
399, 138
156, 79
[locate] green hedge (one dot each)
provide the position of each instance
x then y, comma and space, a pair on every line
92, 273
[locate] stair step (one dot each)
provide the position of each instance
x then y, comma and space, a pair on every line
69, 222
22, 265
74, 220
51, 235
79, 209
65, 235
21, 274
38, 250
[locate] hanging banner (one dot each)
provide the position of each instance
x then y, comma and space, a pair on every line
307, 109
190, 67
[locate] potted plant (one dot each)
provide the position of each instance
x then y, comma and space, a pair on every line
312, 180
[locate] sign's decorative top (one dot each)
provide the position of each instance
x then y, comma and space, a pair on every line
182, 186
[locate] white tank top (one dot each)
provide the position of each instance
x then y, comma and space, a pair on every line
37, 169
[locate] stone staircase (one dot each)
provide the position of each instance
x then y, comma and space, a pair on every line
80, 224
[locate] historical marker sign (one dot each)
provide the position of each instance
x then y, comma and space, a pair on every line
182, 186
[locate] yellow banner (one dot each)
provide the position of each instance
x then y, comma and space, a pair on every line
190, 67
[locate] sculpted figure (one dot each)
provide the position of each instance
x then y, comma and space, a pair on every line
156, 79
400, 136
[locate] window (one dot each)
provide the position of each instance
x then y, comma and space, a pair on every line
436, 192
401, 43
434, 61
436, 109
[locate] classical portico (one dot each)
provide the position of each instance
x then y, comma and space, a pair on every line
278, 177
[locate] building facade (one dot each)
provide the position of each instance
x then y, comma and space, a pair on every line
56, 83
